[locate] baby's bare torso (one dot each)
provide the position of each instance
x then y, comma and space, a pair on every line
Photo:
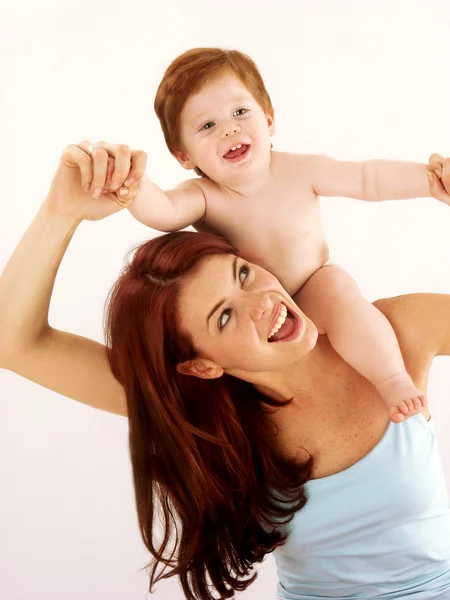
279, 227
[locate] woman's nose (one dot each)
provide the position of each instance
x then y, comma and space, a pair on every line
260, 304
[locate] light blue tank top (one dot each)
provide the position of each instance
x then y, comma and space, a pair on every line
379, 529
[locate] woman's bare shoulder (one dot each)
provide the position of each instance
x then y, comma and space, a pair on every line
422, 325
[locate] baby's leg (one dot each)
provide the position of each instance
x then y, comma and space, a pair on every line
362, 336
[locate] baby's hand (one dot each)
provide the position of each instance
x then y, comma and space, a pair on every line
439, 176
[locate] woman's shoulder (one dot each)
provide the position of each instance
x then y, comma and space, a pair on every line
422, 325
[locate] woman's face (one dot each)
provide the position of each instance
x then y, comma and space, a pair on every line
231, 309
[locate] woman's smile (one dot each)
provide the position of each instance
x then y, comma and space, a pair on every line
286, 326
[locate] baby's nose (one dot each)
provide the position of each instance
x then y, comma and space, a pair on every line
231, 129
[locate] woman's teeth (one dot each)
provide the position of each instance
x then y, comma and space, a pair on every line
279, 322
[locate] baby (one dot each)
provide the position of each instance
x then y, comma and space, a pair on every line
217, 120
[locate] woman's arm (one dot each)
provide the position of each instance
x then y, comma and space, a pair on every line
422, 324
69, 364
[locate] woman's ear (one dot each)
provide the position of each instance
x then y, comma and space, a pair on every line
200, 367
183, 159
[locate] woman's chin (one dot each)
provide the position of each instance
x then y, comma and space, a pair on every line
310, 335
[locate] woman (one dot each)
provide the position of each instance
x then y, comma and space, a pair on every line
240, 419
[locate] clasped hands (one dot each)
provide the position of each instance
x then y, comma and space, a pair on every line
439, 168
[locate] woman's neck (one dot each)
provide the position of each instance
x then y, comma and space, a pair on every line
305, 379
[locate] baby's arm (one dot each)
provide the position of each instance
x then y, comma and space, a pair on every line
171, 210
362, 336
370, 180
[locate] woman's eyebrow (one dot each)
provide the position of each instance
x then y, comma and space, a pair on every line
219, 304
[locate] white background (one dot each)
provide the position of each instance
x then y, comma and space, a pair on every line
350, 79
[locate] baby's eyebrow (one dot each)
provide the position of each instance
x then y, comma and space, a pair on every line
199, 117
219, 304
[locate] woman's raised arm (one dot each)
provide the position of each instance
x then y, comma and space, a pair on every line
74, 366
422, 325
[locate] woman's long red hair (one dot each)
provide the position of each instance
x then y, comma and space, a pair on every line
200, 449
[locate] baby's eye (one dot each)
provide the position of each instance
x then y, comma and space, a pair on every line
208, 125
223, 319
240, 111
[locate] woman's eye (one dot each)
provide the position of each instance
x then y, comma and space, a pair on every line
243, 273
208, 125
240, 111
225, 315
223, 319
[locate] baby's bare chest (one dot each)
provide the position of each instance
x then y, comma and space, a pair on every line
273, 213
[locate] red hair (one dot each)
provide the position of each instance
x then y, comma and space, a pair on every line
189, 72
200, 449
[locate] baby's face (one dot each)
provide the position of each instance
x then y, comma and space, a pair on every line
221, 116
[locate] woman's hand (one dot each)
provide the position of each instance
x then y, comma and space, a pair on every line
439, 175
95, 186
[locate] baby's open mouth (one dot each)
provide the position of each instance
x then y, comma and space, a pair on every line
284, 326
237, 152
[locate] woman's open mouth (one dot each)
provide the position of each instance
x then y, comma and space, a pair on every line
237, 153
286, 327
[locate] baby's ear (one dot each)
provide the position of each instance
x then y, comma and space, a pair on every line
200, 367
271, 123
183, 159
